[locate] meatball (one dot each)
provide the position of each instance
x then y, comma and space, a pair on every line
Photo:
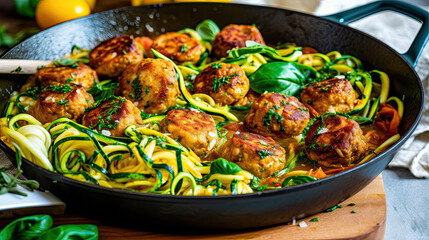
225, 83
234, 36
151, 84
178, 47
111, 57
335, 142
80, 75
193, 129
61, 101
255, 153
111, 116
276, 115
333, 95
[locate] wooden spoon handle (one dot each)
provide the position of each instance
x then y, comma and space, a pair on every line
20, 66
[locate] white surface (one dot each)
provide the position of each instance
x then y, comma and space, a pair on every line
9, 203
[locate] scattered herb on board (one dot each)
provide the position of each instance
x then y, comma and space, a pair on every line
353, 211
351, 204
314, 220
333, 208
8, 183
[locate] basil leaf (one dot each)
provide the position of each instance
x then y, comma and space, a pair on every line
207, 30
223, 166
26, 228
26, 8
8, 40
280, 77
71, 232
296, 180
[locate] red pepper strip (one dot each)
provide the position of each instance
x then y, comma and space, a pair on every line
388, 119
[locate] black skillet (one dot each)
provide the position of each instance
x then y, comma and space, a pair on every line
277, 25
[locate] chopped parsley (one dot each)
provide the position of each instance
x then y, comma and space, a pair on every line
124, 52
264, 143
351, 204
17, 70
217, 82
314, 220
184, 48
333, 208
147, 90
216, 66
264, 153
62, 102
105, 118
69, 80
324, 89
270, 115
137, 89
66, 88
353, 211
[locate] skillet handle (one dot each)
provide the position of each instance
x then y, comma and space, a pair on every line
421, 15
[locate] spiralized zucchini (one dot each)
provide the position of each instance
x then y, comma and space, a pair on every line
147, 160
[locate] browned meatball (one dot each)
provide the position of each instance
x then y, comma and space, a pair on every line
79, 75
234, 36
193, 129
276, 115
150, 84
335, 142
178, 47
225, 83
110, 117
111, 57
255, 153
65, 101
333, 95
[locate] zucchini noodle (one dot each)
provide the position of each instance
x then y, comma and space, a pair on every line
148, 160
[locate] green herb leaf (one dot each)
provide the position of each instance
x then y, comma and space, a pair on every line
30, 227
296, 180
279, 77
217, 82
263, 153
314, 220
223, 166
216, 66
184, 48
71, 231
26, 8
8, 40
103, 90
207, 30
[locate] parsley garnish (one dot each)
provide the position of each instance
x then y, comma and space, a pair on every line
264, 153
137, 89
217, 82
62, 102
147, 90
314, 220
353, 211
66, 88
351, 204
264, 143
184, 48
124, 52
270, 114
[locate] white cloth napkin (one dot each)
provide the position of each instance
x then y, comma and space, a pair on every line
398, 31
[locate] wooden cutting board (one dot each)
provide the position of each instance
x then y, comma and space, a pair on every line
368, 222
